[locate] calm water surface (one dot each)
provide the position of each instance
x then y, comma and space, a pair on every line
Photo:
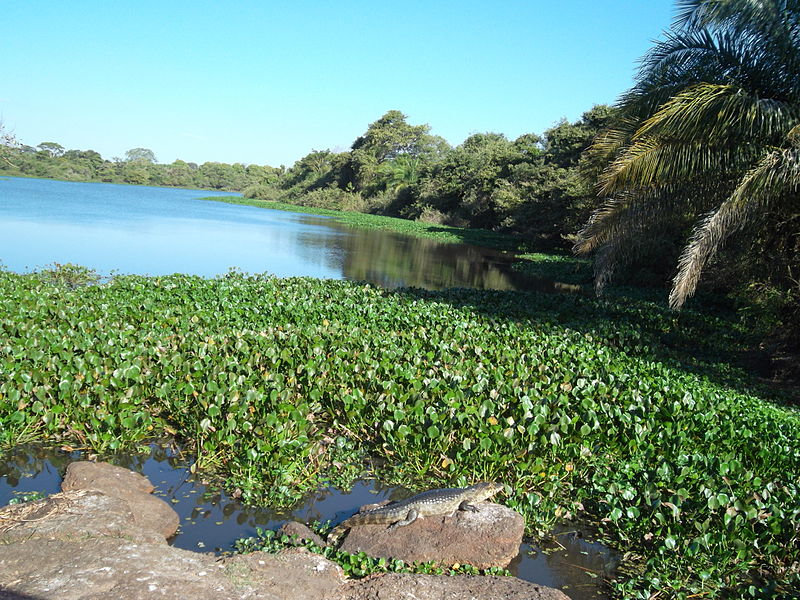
157, 231
212, 521
146, 230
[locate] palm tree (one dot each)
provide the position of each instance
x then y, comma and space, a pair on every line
710, 133
402, 171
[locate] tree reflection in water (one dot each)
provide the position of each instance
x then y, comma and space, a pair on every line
392, 260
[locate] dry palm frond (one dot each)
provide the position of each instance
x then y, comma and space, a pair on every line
776, 176
619, 230
794, 135
642, 208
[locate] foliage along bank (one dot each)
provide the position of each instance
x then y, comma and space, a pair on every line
139, 167
621, 413
536, 185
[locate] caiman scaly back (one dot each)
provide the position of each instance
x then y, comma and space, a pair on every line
427, 504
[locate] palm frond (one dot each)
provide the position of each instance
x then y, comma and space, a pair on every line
681, 58
622, 230
720, 113
636, 210
648, 163
600, 227
793, 137
766, 32
738, 15
713, 120
681, 52
776, 176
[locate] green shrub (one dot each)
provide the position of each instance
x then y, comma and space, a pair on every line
262, 191
69, 275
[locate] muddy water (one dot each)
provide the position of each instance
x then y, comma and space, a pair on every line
211, 520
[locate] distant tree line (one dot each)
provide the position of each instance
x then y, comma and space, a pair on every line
540, 186
139, 167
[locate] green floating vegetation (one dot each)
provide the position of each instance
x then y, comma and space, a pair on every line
616, 411
355, 565
22, 498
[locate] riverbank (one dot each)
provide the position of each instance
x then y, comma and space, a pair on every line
106, 531
442, 233
620, 413
555, 267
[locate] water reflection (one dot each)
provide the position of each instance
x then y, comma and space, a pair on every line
157, 231
572, 563
393, 260
211, 520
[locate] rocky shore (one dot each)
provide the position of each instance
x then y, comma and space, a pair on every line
105, 536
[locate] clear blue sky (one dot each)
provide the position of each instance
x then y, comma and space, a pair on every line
266, 82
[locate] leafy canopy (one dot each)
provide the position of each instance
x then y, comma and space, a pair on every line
140, 154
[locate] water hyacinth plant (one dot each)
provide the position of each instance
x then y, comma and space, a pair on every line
622, 413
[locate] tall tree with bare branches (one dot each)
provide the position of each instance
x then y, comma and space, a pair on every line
7, 143
709, 135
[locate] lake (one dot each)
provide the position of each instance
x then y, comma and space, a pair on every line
156, 231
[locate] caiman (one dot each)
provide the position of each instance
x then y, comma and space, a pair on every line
427, 504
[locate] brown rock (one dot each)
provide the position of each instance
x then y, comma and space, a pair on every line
150, 512
105, 568
403, 586
487, 538
109, 568
293, 573
88, 545
73, 515
303, 532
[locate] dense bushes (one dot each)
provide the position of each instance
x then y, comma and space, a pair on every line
535, 185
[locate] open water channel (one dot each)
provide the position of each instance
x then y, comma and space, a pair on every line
157, 231
145, 230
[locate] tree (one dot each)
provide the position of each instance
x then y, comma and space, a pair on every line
566, 142
385, 140
52, 148
390, 136
258, 174
140, 154
401, 172
135, 172
708, 141
222, 176
317, 169
7, 143
466, 183
80, 165
179, 174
